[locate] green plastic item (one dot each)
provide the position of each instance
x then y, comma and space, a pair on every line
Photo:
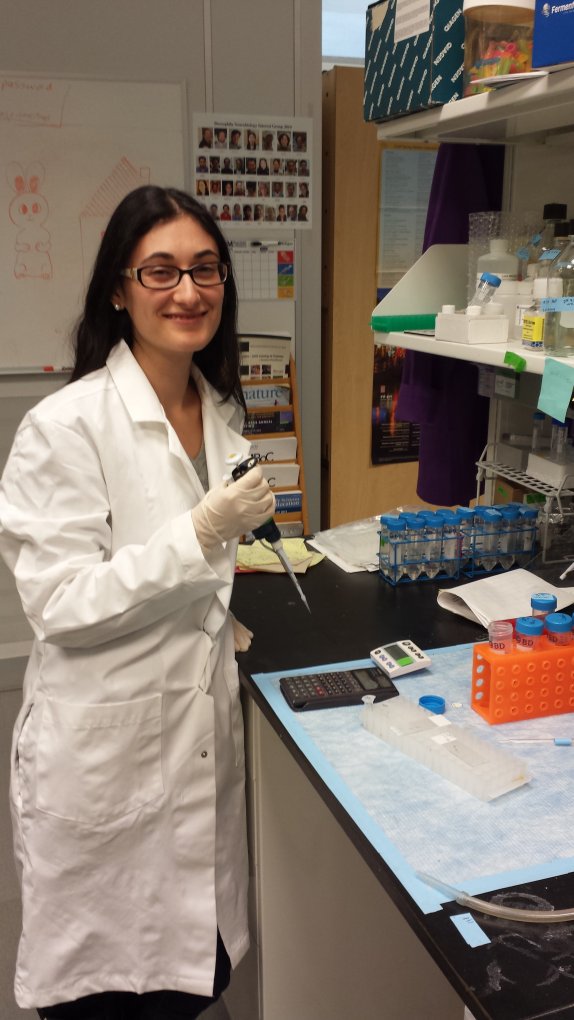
399, 323
514, 361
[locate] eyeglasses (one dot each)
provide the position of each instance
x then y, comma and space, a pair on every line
205, 274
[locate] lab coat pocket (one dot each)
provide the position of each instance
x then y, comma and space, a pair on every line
236, 715
96, 763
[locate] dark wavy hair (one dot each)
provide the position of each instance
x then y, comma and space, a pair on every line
100, 327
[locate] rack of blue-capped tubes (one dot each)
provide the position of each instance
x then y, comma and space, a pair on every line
435, 545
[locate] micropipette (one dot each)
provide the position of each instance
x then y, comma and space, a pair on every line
269, 532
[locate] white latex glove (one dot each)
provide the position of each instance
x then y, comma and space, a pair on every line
229, 511
241, 635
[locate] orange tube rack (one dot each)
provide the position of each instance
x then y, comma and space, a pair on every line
522, 685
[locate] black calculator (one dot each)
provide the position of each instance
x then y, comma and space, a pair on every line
328, 690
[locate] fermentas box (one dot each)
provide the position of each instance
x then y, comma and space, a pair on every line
553, 43
414, 56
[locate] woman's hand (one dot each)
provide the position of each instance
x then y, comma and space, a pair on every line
229, 511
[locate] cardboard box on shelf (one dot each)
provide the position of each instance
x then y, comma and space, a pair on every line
413, 57
511, 492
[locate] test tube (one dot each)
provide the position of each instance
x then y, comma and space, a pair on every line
528, 526
528, 631
558, 628
537, 428
500, 636
508, 539
558, 439
414, 547
451, 544
485, 289
432, 544
384, 541
466, 518
397, 535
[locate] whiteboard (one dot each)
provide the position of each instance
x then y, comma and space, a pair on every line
70, 151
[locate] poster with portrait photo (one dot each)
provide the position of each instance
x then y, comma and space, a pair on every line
254, 169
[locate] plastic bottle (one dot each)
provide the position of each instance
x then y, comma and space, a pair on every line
558, 628
559, 306
497, 40
528, 631
548, 256
498, 260
543, 237
543, 603
538, 419
486, 287
523, 302
533, 317
507, 296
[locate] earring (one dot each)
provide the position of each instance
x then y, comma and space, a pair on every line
117, 308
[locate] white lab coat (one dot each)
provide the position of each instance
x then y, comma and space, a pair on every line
127, 765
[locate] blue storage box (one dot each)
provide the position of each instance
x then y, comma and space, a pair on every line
553, 42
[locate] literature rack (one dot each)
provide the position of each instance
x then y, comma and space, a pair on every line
273, 425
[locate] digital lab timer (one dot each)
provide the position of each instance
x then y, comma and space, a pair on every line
400, 657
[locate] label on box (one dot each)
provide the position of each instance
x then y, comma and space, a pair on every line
504, 384
532, 331
414, 56
553, 41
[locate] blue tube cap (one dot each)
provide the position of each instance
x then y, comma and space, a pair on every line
433, 703
530, 625
559, 623
490, 278
544, 600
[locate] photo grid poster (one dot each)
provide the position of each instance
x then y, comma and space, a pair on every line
254, 169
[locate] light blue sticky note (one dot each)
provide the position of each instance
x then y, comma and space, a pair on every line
556, 389
471, 932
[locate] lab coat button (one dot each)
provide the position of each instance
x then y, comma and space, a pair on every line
204, 754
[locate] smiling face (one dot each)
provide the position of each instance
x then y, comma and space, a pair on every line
174, 323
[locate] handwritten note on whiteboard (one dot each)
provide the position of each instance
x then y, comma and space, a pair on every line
70, 151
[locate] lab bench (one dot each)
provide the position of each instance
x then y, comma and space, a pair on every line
336, 934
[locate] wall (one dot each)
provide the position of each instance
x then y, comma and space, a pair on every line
352, 488
259, 56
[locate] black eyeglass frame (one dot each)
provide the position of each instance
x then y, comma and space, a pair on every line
134, 273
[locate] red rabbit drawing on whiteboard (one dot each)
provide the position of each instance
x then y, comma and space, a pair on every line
29, 210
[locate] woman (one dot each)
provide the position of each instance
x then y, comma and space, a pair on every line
127, 781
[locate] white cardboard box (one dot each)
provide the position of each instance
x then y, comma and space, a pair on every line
459, 328
553, 472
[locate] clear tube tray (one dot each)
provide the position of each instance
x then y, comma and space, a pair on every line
453, 752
